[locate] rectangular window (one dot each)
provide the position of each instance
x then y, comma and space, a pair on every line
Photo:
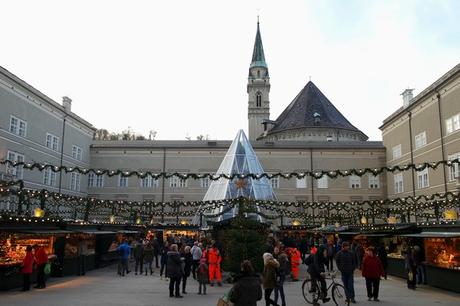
301, 182
422, 179
49, 177
420, 140
397, 151
149, 182
18, 126
205, 182
275, 182
122, 181
176, 182
52, 142
95, 180
399, 183
75, 181
355, 181
17, 172
454, 169
77, 152
322, 182
453, 124
374, 181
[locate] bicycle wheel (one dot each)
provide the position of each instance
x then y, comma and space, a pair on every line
309, 294
339, 296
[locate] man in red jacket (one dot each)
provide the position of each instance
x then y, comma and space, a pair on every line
41, 258
372, 269
27, 268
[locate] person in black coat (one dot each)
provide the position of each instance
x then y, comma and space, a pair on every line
247, 289
188, 262
383, 256
174, 271
316, 270
164, 259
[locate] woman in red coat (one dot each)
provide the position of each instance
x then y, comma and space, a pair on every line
27, 268
372, 270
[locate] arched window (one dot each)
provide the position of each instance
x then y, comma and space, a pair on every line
258, 99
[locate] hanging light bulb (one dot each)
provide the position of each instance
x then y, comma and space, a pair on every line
363, 220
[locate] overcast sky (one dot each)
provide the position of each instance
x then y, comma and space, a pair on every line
180, 67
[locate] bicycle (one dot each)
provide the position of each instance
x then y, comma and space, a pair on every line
312, 292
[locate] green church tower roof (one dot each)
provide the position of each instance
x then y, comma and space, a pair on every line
258, 57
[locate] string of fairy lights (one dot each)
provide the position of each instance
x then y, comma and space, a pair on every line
317, 174
267, 209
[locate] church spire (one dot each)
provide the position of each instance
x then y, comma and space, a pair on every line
258, 57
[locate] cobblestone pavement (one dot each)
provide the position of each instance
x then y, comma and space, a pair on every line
104, 287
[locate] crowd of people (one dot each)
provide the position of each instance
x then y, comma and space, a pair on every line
177, 258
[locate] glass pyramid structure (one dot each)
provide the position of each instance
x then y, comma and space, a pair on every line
240, 159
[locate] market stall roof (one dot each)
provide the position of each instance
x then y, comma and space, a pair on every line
96, 232
360, 236
434, 235
45, 231
128, 232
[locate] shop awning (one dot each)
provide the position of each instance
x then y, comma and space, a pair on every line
434, 235
349, 233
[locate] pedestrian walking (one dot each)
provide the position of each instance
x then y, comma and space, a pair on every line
283, 270
174, 271
196, 256
411, 268
148, 254
164, 259
156, 251
214, 260
187, 264
27, 268
419, 259
346, 263
41, 259
383, 256
372, 270
124, 251
330, 255
202, 275
82, 250
138, 256
246, 290
359, 251
269, 277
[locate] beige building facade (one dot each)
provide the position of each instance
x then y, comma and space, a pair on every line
425, 129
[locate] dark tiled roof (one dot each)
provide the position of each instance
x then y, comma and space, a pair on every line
308, 104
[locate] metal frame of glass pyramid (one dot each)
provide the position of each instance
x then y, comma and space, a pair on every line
240, 159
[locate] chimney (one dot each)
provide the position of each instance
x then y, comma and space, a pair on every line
407, 96
67, 103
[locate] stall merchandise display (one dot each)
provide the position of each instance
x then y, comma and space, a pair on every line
443, 252
13, 247
396, 245
72, 244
